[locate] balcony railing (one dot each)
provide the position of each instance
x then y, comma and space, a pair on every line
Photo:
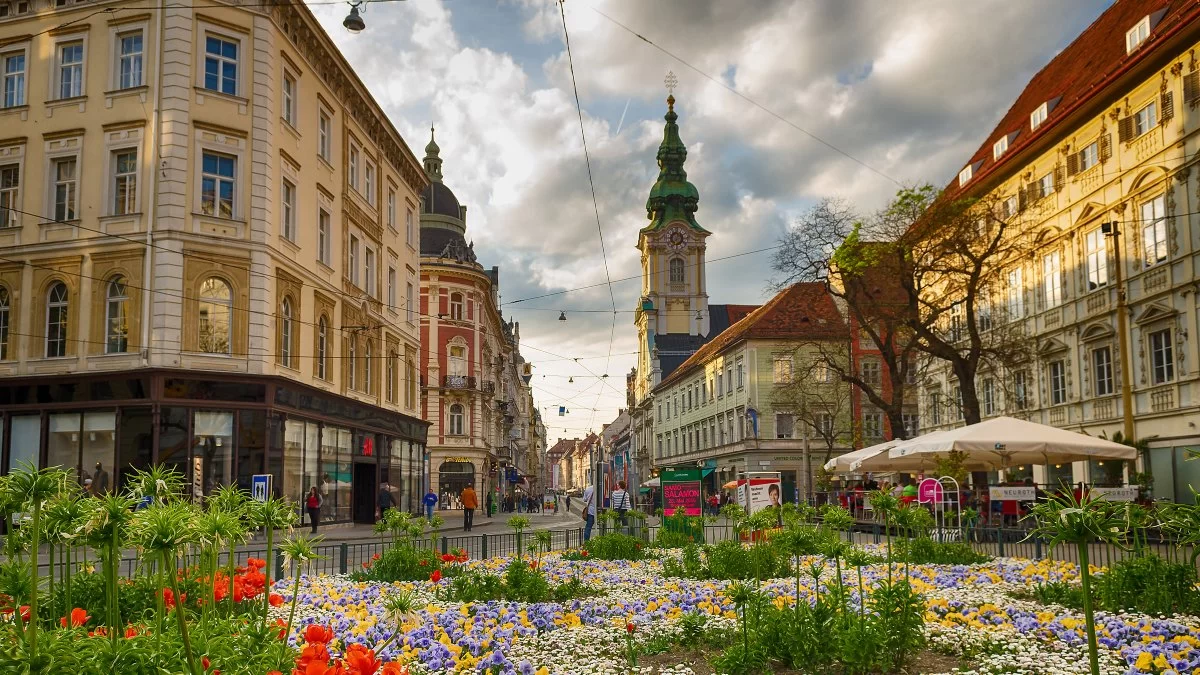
1162, 399
458, 382
489, 387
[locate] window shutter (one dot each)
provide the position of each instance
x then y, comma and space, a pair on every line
1022, 198
1191, 88
1168, 106
1072, 163
1105, 147
1059, 178
1125, 129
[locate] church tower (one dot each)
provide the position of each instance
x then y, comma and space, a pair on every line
672, 316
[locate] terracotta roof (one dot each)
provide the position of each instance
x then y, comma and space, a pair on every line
1078, 74
803, 311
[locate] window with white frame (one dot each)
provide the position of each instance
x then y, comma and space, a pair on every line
1135, 36
215, 317
353, 262
352, 170
69, 69
1046, 184
369, 270
323, 236
1057, 376
1145, 119
65, 177
5, 306
825, 425
1089, 156
676, 270
989, 396
728, 378
999, 147
130, 52
1009, 207
1095, 247
741, 374
1162, 359
873, 425
369, 181
391, 207
935, 408
286, 328
391, 376
14, 79
124, 187
456, 419
116, 317
870, 371
1016, 293
289, 98
1038, 116
785, 425
456, 306
322, 348
324, 134
782, 369
964, 176
1154, 231
367, 367
217, 187
352, 364
57, 308
1021, 389
410, 385
1102, 370
410, 305
409, 227
912, 424
10, 193
1052, 279
221, 64
287, 226
457, 361
956, 392
391, 288
822, 372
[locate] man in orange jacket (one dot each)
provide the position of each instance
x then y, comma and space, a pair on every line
469, 503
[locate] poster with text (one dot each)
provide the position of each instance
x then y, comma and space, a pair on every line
759, 492
685, 494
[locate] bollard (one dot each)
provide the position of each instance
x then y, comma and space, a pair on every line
343, 558
445, 546
279, 564
1000, 541
1037, 548
485, 553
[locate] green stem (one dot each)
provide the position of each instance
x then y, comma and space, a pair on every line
67, 577
162, 609
110, 570
50, 581
32, 633
295, 596
862, 598
229, 565
1085, 576
180, 612
269, 568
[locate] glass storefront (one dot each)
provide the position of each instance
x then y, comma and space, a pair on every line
85, 445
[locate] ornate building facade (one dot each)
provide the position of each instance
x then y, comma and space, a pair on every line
204, 224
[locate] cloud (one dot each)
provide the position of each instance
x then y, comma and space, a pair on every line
909, 88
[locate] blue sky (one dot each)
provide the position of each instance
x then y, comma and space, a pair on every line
908, 87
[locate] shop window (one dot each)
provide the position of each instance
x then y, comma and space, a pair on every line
212, 452
24, 442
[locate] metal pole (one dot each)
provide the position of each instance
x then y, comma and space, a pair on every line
1123, 335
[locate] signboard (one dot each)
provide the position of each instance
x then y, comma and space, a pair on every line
1022, 493
198, 477
547, 502
760, 491
368, 446
260, 487
681, 488
1116, 494
929, 491
511, 474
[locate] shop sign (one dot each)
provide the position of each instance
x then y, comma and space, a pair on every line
368, 446
1002, 493
1116, 494
929, 491
457, 459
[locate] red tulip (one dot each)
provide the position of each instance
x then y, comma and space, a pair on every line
315, 634
312, 654
436, 576
629, 627
275, 599
360, 660
78, 618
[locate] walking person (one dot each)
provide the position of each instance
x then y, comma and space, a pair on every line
99, 482
589, 511
431, 500
469, 503
385, 499
620, 501
313, 506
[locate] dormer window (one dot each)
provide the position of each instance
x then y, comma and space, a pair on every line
999, 147
1137, 35
964, 176
1038, 116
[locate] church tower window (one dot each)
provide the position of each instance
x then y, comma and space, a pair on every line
676, 273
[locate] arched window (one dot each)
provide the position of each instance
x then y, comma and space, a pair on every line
456, 306
676, 270
116, 319
456, 419
216, 316
457, 361
285, 332
4, 305
56, 320
391, 377
367, 369
353, 365
322, 347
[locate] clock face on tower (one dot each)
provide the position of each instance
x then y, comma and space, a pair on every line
677, 240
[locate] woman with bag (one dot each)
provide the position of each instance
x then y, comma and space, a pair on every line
620, 501
313, 505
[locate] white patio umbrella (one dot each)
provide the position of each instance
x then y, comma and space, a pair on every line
1000, 442
842, 463
653, 482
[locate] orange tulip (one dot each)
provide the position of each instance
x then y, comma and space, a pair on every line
360, 660
78, 618
317, 634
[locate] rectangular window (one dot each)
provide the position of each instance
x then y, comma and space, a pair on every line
1103, 370
353, 262
124, 182
964, 176
324, 134
391, 289
391, 208
935, 408
1016, 293
221, 65
14, 80
1009, 207
352, 170
1021, 389
410, 305
369, 270
410, 227
323, 236
720, 385
784, 425
129, 60
783, 370
822, 372
1162, 360
873, 425
289, 98
1038, 116
287, 226
1137, 35
871, 371
1052, 279
989, 396
1046, 184
1058, 382
1145, 119
728, 378
66, 188
912, 424
741, 374
999, 147
10, 189
1096, 258
825, 425
958, 402
1089, 156
216, 185
369, 182
1154, 231
70, 70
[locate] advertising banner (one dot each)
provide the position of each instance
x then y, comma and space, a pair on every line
1020, 493
760, 491
681, 488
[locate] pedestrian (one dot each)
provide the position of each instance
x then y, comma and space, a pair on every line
568, 502
589, 511
470, 502
620, 501
431, 500
99, 481
385, 499
491, 505
313, 506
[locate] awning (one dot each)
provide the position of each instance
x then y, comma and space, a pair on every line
707, 470
652, 483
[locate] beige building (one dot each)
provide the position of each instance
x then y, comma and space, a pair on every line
1096, 156
206, 227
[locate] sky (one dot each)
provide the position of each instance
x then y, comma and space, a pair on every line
781, 103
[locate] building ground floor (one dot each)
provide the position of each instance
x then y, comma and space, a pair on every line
729, 462
216, 430
453, 468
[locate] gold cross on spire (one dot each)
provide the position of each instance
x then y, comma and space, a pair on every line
671, 81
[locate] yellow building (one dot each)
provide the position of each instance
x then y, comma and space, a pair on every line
206, 224
1096, 157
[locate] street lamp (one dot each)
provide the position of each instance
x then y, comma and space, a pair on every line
353, 22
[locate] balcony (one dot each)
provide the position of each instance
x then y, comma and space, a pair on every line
458, 382
1162, 399
1103, 409
489, 387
